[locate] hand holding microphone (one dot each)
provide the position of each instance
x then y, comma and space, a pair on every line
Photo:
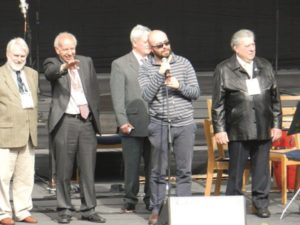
164, 67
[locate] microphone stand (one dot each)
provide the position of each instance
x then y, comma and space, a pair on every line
163, 213
37, 36
27, 30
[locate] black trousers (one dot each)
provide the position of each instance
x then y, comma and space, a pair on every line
134, 149
75, 139
258, 152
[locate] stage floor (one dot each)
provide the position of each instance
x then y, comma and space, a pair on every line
109, 200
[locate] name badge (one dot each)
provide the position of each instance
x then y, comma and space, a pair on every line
26, 100
253, 87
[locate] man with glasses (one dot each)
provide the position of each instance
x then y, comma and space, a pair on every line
169, 85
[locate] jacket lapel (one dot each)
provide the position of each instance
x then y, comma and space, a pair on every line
31, 83
10, 81
83, 76
133, 63
257, 67
240, 73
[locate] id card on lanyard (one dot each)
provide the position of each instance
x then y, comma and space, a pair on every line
253, 87
26, 100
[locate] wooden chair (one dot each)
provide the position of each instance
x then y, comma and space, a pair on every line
291, 156
217, 160
209, 105
286, 157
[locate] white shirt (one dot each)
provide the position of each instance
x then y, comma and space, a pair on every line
139, 58
247, 66
77, 97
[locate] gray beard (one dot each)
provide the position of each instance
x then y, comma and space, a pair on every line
14, 66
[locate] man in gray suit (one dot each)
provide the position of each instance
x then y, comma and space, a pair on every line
132, 116
73, 124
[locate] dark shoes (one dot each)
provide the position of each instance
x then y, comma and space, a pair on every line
128, 207
96, 218
64, 218
261, 212
7, 221
153, 219
92, 218
148, 207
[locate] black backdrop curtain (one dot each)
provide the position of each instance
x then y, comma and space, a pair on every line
199, 30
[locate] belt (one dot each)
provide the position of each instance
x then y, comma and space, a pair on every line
78, 116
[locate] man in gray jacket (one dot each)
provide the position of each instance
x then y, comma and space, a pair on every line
132, 115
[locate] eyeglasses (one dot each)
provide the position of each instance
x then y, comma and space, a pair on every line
165, 43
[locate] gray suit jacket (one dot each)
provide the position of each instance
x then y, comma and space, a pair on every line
17, 124
126, 95
60, 84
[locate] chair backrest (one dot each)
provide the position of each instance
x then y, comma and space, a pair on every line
289, 106
211, 143
221, 148
288, 109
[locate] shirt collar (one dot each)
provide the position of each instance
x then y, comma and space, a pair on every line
138, 57
243, 62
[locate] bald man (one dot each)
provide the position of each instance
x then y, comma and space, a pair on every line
169, 85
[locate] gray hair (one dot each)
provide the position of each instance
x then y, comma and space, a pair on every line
64, 34
20, 42
240, 34
138, 31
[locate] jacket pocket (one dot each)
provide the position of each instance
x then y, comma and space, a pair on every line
5, 124
132, 111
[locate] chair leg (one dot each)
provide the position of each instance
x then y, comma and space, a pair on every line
218, 182
209, 178
245, 179
283, 182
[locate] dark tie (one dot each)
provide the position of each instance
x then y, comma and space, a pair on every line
21, 85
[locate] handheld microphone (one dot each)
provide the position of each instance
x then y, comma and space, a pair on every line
164, 60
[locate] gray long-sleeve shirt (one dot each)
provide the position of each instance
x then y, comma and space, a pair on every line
180, 100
